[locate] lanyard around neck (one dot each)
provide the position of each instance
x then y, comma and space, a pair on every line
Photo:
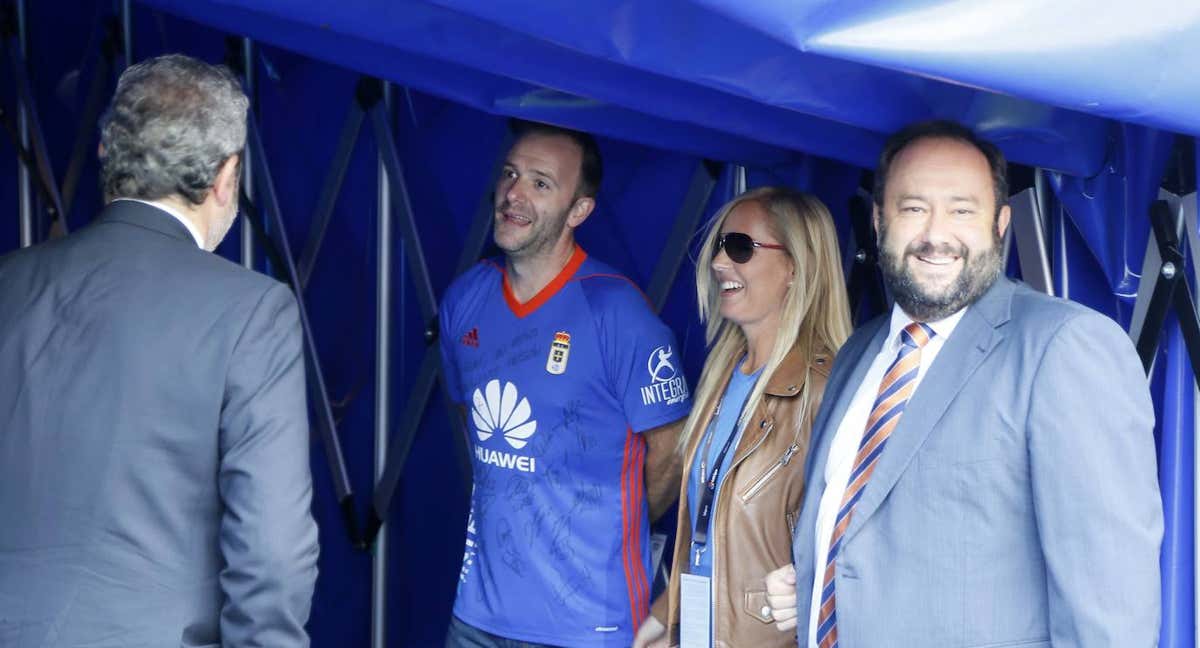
708, 492
708, 486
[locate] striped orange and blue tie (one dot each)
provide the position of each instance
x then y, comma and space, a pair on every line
894, 391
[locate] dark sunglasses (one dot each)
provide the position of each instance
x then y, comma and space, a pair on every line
740, 247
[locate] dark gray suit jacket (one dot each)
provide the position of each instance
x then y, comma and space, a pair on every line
154, 478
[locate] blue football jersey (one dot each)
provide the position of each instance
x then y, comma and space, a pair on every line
556, 392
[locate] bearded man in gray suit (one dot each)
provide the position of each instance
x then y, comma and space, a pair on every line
153, 426
982, 469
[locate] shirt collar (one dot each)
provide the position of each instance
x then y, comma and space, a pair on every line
942, 328
175, 214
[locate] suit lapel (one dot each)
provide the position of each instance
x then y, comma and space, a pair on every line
972, 340
843, 382
849, 366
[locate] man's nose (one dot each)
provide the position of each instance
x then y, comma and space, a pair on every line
512, 194
507, 189
937, 227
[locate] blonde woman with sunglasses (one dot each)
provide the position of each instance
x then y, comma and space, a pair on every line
771, 293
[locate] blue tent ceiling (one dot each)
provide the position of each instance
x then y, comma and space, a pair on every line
756, 81
1131, 61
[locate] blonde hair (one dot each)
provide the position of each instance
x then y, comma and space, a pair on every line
815, 313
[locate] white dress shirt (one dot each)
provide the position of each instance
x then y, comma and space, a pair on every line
844, 447
175, 214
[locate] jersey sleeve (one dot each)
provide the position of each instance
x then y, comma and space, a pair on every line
642, 360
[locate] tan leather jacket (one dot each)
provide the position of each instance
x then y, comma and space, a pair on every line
757, 506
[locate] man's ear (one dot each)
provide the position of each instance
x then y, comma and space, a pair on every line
875, 220
225, 187
1002, 220
580, 210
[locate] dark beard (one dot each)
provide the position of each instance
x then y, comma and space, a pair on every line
978, 274
542, 240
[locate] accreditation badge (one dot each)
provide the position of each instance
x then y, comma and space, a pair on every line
560, 350
695, 614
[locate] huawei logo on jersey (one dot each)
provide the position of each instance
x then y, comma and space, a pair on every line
501, 410
471, 338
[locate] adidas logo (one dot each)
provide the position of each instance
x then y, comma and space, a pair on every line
471, 338
504, 412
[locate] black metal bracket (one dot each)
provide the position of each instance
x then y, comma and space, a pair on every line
368, 92
8, 20
233, 58
1180, 176
865, 285
254, 216
1170, 293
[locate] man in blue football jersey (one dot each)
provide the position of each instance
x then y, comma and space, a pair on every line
573, 393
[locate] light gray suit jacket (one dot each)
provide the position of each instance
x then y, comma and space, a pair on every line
154, 479
1016, 503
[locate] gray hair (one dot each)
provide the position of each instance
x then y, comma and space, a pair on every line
172, 123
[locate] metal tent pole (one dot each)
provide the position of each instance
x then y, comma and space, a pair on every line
383, 344
1028, 232
127, 31
691, 211
247, 238
24, 173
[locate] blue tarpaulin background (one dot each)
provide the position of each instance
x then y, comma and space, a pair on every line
1096, 95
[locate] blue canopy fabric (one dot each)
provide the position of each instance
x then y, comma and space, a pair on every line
1127, 185
1177, 478
683, 75
1131, 61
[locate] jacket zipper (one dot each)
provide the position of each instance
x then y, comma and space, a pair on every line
762, 481
712, 584
761, 439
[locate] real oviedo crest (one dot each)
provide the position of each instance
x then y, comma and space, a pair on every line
560, 350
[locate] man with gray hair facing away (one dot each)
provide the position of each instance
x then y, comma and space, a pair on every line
153, 428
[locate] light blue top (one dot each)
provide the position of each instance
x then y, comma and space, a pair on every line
719, 430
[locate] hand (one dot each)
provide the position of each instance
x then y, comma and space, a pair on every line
652, 634
781, 596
